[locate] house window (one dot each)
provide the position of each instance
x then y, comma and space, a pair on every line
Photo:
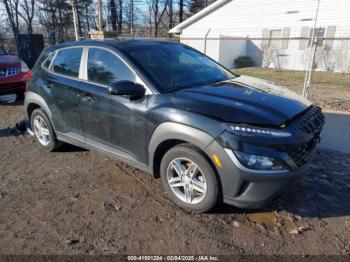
275, 36
319, 36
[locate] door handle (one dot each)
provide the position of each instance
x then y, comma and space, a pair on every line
50, 85
88, 97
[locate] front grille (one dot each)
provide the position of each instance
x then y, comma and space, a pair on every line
300, 152
312, 121
9, 72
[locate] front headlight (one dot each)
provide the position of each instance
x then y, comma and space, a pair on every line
258, 162
256, 131
24, 67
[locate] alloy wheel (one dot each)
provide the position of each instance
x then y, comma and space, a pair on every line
186, 180
41, 130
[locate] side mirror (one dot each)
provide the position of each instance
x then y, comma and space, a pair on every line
126, 88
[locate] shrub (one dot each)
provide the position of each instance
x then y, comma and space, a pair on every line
244, 61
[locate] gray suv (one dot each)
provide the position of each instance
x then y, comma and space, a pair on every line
173, 112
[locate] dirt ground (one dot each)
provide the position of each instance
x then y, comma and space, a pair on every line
79, 202
328, 90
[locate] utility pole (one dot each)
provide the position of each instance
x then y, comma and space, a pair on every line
107, 22
132, 17
75, 19
99, 10
308, 73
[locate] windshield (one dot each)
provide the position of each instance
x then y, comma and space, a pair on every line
2, 51
173, 66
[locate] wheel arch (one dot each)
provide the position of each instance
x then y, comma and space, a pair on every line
34, 101
168, 135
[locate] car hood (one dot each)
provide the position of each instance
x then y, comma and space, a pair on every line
243, 100
9, 61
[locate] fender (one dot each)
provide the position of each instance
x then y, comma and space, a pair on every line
170, 130
31, 97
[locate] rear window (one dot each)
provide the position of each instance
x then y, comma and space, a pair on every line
67, 61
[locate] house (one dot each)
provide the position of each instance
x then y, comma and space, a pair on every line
274, 33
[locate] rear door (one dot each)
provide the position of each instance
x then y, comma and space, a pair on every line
60, 90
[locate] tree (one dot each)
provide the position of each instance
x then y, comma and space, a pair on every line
28, 6
113, 11
170, 14
195, 6
120, 16
181, 10
157, 9
12, 10
56, 17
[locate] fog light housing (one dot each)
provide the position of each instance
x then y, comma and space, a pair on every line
258, 162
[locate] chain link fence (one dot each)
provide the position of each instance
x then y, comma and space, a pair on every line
283, 56
275, 57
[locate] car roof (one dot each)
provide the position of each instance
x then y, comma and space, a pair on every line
119, 44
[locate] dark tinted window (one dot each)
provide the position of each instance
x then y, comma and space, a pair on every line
2, 51
105, 68
174, 66
48, 60
67, 61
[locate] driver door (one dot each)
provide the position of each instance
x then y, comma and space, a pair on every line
109, 120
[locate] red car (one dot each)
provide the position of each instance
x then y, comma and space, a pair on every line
14, 75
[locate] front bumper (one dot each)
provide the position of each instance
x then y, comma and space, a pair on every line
12, 88
247, 188
14, 84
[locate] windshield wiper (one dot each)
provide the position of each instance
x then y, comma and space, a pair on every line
175, 88
218, 80
179, 87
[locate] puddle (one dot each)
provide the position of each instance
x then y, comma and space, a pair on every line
273, 222
266, 220
8, 99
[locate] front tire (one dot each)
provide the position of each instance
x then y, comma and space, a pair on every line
189, 179
43, 131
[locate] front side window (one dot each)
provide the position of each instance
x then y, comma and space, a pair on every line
105, 68
67, 61
175, 66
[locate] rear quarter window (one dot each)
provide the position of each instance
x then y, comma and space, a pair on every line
67, 61
47, 60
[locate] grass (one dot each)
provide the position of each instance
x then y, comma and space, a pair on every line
329, 90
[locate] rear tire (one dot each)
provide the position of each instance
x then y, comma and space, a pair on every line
196, 189
43, 131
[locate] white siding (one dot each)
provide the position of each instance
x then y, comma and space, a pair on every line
243, 18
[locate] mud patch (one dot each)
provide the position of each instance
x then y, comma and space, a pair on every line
266, 220
80, 202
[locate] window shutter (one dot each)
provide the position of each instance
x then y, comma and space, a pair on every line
265, 36
285, 36
304, 34
330, 34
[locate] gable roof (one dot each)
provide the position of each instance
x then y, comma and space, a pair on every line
210, 8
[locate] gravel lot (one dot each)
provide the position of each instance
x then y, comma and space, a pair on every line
79, 202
